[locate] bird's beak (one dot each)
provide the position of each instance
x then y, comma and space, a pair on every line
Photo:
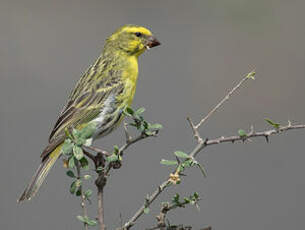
152, 42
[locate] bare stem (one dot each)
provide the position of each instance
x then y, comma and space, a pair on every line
232, 139
249, 76
83, 199
149, 200
100, 208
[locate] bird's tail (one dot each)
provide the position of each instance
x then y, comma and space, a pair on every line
40, 175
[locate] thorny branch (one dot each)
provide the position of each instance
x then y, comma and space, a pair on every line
147, 203
204, 143
227, 97
161, 218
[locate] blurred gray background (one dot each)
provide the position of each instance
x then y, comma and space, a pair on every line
207, 46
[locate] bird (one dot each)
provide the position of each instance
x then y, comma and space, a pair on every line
100, 96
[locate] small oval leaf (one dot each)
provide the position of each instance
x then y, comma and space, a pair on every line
181, 154
168, 162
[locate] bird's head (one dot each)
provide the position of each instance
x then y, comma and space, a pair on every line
132, 39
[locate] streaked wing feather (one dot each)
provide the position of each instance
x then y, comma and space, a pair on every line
86, 99
83, 111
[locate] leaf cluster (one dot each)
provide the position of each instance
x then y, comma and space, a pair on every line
140, 123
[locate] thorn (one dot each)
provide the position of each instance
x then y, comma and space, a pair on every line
251, 130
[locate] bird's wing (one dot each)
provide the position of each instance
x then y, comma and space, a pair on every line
85, 103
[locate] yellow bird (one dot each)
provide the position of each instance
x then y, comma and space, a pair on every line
100, 96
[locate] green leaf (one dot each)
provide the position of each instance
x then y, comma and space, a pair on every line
73, 187
145, 124
88, 131
146, 210
149, 133
181, 154
100, 168
116, 149
88, 193
129, 111
176, 199
112, 158
275, 125
79, 192
251, 75
156, 126
84, 163
78, 152
140, 111
186, 200
168, 162
79, 141
71, 163
196, 195
82, 219
188, 163
87, 220
70, 174
87, 177
242, 133
75, 133
180, 168
91, 222
67, 147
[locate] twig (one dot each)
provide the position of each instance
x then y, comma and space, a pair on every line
100, 204
91, 156
163, 212
204, 143
129, 141
249, 76
99, 161
147, 203
83, 198
248, 136
98, 150
197, 149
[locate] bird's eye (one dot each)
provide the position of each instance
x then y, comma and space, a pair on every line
138, 34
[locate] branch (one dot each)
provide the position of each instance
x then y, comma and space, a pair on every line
163, 212
149, 200
248, 136
194, 153
103, 170
129, 141
83, 198
100, 204
249, 76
